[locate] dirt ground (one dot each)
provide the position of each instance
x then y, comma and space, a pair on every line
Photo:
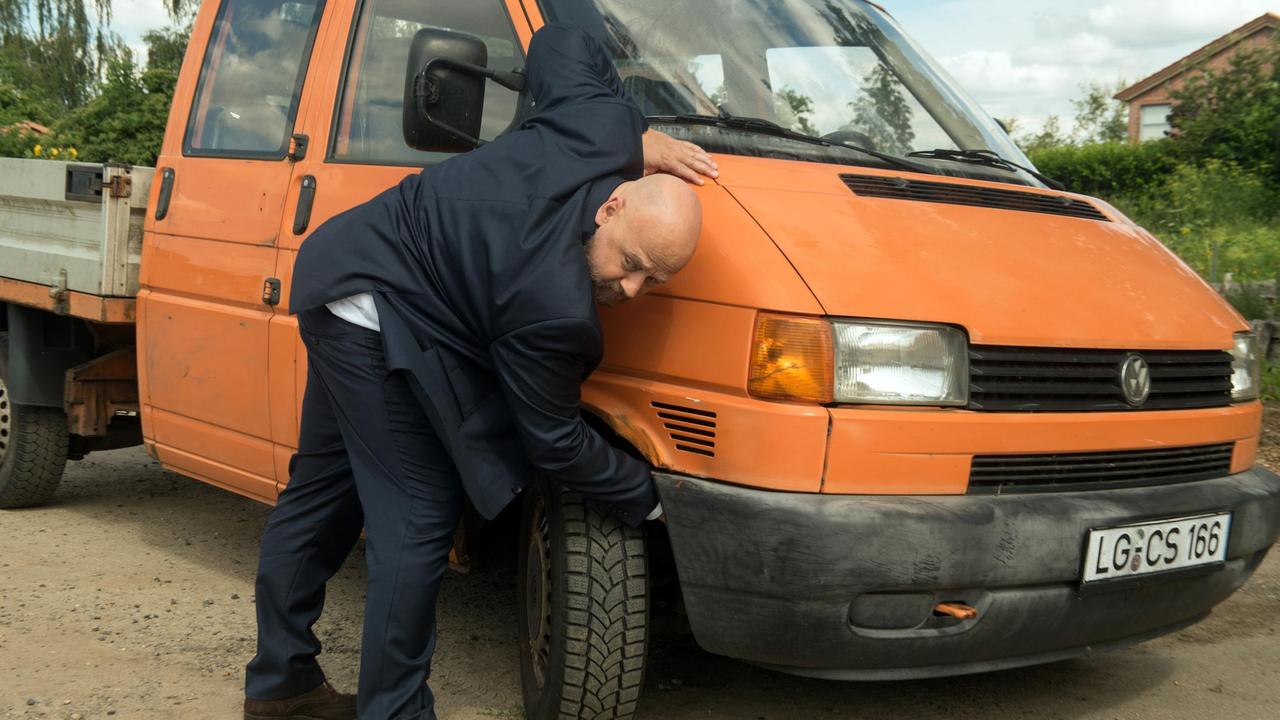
131, 596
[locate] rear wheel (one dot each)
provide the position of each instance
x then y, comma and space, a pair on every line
584, 614
33, 445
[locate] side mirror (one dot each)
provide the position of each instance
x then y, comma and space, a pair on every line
444, 90
443, 104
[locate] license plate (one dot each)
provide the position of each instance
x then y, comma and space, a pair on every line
1159, 546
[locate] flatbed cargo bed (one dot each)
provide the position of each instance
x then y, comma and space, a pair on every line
71, 236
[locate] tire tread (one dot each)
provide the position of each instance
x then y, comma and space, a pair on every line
607, 590
38, 450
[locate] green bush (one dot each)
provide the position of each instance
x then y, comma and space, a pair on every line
121, 117
1216, 216
15, 142
1214, 193
1249, 250
125, 122
1270, 381
1108, 169
1249, 302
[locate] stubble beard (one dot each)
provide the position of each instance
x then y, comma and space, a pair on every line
607, 293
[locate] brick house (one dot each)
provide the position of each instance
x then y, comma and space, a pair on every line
1149, 99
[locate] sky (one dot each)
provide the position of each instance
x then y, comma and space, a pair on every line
1027, 59
1023, 59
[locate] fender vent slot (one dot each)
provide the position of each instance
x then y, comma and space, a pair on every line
692, 430
896, 188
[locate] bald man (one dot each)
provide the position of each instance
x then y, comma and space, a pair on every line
449, 323
647, 232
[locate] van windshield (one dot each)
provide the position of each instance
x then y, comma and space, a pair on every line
836, 69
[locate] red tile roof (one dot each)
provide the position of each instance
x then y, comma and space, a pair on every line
1249, 29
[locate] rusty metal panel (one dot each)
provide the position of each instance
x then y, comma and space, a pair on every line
95, 391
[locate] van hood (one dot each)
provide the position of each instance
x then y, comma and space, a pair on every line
1008, 277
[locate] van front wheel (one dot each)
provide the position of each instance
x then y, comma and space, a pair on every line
584, 609
33, 445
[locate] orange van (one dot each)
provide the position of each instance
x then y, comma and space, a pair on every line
913, 409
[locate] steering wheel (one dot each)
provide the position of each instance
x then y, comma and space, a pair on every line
853, 137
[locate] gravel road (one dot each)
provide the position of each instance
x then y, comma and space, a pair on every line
131, 596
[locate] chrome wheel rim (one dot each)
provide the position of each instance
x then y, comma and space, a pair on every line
538, 593
6, 421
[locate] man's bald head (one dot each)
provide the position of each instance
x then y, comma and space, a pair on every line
647, 231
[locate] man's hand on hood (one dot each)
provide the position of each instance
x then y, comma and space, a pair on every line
665, 154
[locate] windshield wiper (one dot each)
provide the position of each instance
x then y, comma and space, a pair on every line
989, 158
768, 127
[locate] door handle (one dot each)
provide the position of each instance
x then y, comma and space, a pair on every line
166, 191
306, 197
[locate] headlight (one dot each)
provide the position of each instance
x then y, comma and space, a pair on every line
870, 362
1246, 368
900, 364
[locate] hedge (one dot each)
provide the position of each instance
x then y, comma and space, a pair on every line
1108, 169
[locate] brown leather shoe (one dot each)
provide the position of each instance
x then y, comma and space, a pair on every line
323, 703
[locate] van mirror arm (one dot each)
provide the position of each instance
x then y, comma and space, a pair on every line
426, 89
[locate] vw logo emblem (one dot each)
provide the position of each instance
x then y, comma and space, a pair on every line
1135, 380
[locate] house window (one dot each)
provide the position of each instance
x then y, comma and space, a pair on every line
1155, 122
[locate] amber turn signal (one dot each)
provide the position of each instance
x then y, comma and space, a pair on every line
791, 359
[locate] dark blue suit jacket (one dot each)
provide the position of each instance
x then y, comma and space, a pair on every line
479, 274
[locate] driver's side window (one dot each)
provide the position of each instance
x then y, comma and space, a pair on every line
368, 126
251, 78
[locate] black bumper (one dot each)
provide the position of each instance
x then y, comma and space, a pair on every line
844, 586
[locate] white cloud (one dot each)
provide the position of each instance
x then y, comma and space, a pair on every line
1028, 60
1142, 23
1009, 89
994, 74
1083, 48
132, 18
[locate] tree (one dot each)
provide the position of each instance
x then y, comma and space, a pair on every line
1233, 113
1050, 136
54, 54
61, 66
1099, 117
125, 122
793, 109
166, 47
882, 114
53, 49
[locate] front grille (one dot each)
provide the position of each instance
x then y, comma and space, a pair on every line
692, 430
1013, 379
897, 188
1000, 474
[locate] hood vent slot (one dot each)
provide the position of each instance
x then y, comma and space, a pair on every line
692, 430
896, 188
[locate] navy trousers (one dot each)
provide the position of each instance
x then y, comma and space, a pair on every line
367, 456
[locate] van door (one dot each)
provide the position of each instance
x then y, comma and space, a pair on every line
356, 145
212, 241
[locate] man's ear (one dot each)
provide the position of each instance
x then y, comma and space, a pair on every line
610, 209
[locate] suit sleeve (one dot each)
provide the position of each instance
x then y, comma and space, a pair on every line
590, 129
540, 368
